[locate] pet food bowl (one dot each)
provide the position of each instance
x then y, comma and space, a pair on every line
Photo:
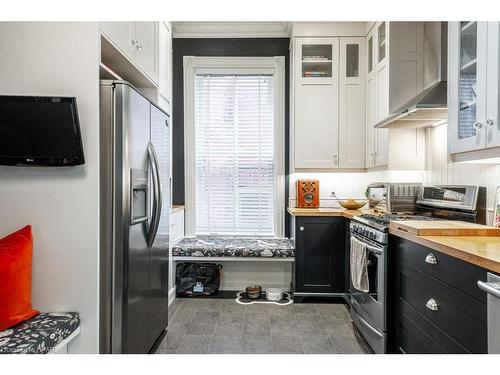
274, 294
254, 291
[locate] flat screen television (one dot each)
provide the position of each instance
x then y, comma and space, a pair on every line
40, 130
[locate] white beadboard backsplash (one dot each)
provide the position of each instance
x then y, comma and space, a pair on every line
350, 185
439, 170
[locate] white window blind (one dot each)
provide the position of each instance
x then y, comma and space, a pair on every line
234, 147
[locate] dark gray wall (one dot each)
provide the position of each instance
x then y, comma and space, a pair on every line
219, 47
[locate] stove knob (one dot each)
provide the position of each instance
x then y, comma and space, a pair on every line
373, 235
361, 230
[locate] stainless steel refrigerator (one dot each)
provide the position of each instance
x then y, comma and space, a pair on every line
135, 170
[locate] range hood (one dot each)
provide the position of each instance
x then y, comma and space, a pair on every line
430, 107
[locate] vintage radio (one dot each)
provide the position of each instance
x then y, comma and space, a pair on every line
308, 193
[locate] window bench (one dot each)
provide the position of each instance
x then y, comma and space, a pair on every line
42, 334
234, 249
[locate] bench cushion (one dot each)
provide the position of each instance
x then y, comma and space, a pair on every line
230, 247
39, 334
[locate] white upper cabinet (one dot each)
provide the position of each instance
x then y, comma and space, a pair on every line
370, 100
146, 42
328, 103
399, 64
493, 87
467, 55
165, 64
377, 142
394, 75
343, 86
352, 103
120, 33
473, 84
316, 91
381, 137
138, 41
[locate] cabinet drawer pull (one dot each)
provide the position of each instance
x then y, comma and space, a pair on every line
432, 305
431, 259
301, 228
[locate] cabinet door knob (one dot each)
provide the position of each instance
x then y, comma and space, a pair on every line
431, 259
335, 160
432, 305
478, 125
301, 228
135, 43
489, 123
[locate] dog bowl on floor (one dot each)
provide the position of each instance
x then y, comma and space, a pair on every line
254, 291
274, 294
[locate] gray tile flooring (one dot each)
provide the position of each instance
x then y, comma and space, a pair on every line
222, 326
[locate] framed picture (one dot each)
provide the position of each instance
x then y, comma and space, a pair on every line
496, 209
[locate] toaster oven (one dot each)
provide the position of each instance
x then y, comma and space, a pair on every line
398, 197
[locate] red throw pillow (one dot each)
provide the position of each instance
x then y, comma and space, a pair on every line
15, 278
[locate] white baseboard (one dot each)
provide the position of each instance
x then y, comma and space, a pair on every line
171, 296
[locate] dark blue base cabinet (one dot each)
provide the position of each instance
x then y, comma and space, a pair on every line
320, 256
435, 304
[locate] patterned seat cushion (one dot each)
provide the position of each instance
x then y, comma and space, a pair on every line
230, 247
39, 334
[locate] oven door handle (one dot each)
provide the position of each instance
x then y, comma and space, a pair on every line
368, 247
367, 325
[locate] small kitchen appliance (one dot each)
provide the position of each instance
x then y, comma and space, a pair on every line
392, 198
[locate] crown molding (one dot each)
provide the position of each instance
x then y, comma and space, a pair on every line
231, 29
269, 29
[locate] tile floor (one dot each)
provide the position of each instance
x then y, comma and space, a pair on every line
223, 326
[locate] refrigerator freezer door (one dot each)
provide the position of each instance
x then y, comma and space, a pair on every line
133, 116
160, 139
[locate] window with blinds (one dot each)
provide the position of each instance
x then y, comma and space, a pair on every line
234, 147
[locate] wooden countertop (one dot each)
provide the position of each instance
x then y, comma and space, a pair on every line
483, 251
176, 207
327, 211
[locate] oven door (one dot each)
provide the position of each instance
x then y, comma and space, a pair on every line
372, 303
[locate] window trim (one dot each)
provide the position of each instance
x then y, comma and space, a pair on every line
270, 65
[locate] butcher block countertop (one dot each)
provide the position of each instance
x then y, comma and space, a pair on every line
327, 211
483, 251
444, 228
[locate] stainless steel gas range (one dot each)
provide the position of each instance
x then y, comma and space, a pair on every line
368, 309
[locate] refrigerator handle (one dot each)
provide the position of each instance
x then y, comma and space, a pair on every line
156, 209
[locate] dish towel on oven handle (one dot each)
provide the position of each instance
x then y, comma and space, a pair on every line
359, 262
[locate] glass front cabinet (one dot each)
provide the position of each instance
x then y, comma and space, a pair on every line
316, 93
473, 84
329, 102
